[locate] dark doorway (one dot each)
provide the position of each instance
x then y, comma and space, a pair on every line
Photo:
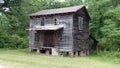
49, 39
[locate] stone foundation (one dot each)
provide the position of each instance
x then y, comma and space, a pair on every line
38, 50
47, 52
55, 52
71, 54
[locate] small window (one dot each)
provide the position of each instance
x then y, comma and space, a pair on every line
36, 36
56, 21
80, 23
42, 21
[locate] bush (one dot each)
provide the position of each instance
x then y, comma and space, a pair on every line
64, 53
109, 44
13, 41
113, 56
110, 54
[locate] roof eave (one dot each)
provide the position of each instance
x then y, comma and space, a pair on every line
51, 14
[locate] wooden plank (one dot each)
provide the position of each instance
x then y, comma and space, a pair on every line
81, 41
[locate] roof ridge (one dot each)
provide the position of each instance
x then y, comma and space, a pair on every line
64, 7
58, 10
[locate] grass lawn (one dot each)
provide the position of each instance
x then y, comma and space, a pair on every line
21, 58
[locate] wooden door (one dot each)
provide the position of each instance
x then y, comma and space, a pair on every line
49, 39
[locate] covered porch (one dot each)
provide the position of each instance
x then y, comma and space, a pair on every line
47, 38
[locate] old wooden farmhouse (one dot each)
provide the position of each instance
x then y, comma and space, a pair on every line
55, 31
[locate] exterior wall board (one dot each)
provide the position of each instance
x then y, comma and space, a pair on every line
66, 40
80, 36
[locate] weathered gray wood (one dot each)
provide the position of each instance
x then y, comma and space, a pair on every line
81, 37
70, 38
66, 43
31, 40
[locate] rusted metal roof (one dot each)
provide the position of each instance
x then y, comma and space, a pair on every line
50, 27
58, 11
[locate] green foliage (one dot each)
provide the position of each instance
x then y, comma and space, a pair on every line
104, 53
19, 42
3, 22
104, 24
111, 29
12, 41
64, 53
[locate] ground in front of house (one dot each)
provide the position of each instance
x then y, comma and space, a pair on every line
21, 58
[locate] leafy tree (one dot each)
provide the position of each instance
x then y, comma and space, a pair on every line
104, 24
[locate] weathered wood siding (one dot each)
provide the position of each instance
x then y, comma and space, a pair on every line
66, 43
32, 36
32, 42
65, 38
81, 37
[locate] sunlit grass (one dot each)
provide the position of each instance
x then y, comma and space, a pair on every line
21, 58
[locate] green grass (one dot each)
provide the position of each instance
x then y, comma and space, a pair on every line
21, 58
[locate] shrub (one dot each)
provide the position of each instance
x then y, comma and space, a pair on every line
13, 41
64, 53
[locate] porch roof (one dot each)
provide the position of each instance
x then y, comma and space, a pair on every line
49, 27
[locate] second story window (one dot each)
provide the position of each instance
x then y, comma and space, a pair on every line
56, 21
42, 21
80, 23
